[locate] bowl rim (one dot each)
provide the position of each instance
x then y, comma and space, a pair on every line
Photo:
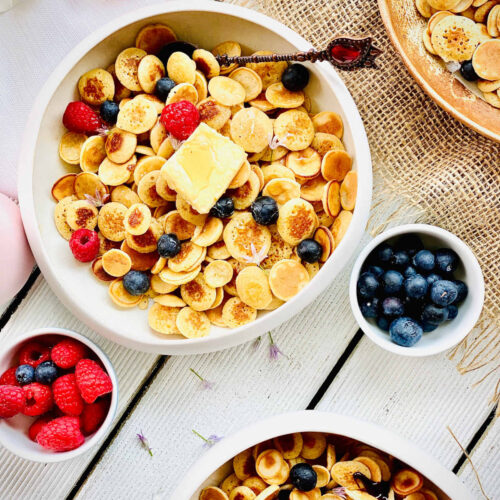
273, 318
468, 260
45, 457
319, 421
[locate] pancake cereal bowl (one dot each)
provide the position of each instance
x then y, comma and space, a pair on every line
203, 204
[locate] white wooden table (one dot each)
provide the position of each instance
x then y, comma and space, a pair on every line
329, 366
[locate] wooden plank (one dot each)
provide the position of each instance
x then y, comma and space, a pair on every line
23, 479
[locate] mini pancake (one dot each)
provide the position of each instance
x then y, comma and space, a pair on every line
314, 494
323, 475
96, 86
173, 278
162, 319
99, 271
215, 315
137, 116
487, 86
443, 4
124, 195
276, 171
166, 150
121, 92
169, 300
245, 195
60, 216
287, 278
183, 92
241, 176
155, 101
261, 103
232, 49
305, 163
226, 91
251, 129
281, 97
486, 60
407, 481
325, 238
269, 72
343, 473
181, 68
212, 113
455, 38
492, 98
274, 154
63, 187
146, 242
423, 8
218, 273
146, 189
164, 190
149, 71
123, 102
110, 221
331, 198
120, 145
311, 268
257, 485
153, 37
348, 191
105, 244
258, 172
313, 190
323, 218
120, 296
236, 313
242, 493
218, 251
274, 304
114, 174
282, 190
137, 219
209, 233
159, 286
269, 464
329, 123
294, 130
116, 263
241, 232
201, 85
92, 153
206, 63
249, 80
375, 472
144, 150
198, 294
253, 288
482, 12
435, 18
314, 445
81, 214
213, 493
159, 265
254, 157
188, 213
219, 297
279, 249
426, 39
146, 165
140, 261
190, 256
192, 324
335, 165
179, 226
70, 147
237, 266
323, 143
126, 67
493, 22
297, 221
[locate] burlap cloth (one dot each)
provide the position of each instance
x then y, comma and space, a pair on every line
448, 174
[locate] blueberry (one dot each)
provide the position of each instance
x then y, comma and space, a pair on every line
178, 46
369, 308
411, 243
391, 282
409, 271
309, 250
223, 208
136, 282
265, 210
428, 327
367, 286
303, 477
46, 373
405, 331
446, 260
382, 254
463, 291
163, 87
400, 259
169, 245
392, 307
416, 286
424, 260
431, 278
452, 312
25, 374
295, 77
434, 314
468, 72
377, 271
443, 292
414, 307
383, 323
284, 494
109, 111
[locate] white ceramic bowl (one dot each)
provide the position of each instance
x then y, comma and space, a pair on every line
447, 334
14, 431
204, 23
216, 463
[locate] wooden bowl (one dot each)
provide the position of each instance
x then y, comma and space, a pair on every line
405, 26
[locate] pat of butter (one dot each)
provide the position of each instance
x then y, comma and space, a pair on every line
203, 167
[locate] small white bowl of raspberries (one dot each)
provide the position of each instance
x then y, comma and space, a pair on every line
58, 395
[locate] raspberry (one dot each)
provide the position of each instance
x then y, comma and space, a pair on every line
67, 353
61, 434
37, 426
79, 117
180, 119
9, 377
93, 416
84, 244
38, 399
66, 395
92, 380
33, 354
11, 400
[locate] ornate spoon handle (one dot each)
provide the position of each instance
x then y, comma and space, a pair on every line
345, 53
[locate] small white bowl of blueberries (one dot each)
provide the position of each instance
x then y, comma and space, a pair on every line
416, 290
